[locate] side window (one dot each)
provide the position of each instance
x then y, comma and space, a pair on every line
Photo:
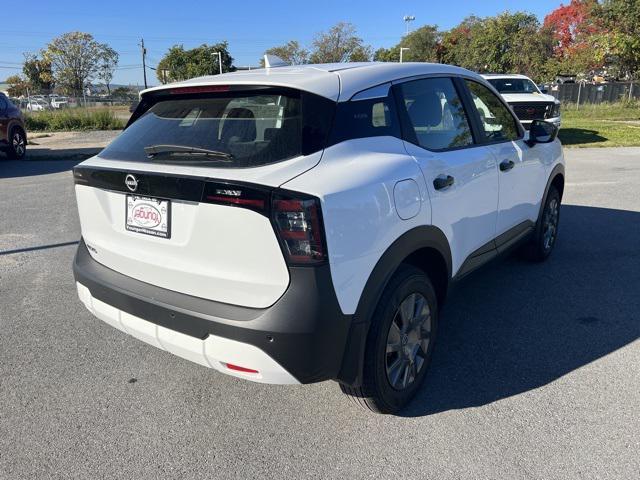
3, 103
369, 117
436, 114
495, 118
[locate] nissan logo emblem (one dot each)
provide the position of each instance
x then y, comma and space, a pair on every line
131, 182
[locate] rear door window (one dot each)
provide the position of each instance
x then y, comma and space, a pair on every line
437, 119
228, 130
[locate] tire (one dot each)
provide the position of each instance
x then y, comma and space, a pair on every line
396, 356
544, 239
17, 148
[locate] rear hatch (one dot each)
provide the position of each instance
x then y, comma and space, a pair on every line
187, 197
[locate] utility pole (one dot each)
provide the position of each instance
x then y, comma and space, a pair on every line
144, 63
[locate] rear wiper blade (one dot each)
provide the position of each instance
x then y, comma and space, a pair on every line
154, 150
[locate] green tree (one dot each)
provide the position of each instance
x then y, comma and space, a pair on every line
422, 43
75, 59
180, 64
38, 72
622, 40
18, 86
107, 66
506, 43
340, 44
291, 52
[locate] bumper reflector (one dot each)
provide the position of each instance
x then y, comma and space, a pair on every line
237, 368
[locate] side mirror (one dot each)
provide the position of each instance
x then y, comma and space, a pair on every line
541, 132
544, 90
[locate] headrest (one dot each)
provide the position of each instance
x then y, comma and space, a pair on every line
426, 110
239, 123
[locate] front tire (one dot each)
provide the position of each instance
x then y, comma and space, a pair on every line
399, 344
546, 233
17, 148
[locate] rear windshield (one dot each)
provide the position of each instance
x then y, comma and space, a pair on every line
235, 129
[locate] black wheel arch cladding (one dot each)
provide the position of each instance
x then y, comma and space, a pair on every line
417, 239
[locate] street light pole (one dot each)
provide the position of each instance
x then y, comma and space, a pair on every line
402, 49
408, 19
219, 60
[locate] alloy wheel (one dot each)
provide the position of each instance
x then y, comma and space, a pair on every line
408, 341
18, 144
550, 224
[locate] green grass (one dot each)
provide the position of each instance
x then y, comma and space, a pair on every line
604, 125
73, 119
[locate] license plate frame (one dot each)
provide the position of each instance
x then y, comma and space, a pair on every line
148, 216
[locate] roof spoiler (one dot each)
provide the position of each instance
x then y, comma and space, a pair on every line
272, 61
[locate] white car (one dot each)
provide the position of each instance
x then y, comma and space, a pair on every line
37, 105
59, 102
526, 99
297, 224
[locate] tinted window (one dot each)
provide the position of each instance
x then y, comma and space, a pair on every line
227, 130
365, 118
3, 103
436, 114
496, 120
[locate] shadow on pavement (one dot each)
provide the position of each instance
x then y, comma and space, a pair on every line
578, 136
28, 168
72, 153
38, 247
516, 326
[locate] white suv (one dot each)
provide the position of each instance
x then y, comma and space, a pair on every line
526, 99
297, 224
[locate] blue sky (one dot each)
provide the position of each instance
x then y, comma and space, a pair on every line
250, 27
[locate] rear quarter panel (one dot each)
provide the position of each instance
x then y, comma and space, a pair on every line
355, 182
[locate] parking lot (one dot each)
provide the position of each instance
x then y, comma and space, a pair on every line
535, 375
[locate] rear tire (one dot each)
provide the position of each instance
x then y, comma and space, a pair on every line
544, 239
399, 343
17, 148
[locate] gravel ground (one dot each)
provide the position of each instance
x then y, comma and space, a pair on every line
535, 374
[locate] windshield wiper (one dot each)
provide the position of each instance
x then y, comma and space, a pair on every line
183, 150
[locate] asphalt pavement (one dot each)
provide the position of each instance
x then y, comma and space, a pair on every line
536, 373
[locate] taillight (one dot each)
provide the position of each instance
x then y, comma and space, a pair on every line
298, 223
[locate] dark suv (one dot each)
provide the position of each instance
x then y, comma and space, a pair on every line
13, 137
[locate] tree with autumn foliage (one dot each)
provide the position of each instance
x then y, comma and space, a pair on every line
577, 30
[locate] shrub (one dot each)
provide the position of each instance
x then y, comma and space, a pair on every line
73, 119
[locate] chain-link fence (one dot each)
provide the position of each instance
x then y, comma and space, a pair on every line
36, 103
581, 92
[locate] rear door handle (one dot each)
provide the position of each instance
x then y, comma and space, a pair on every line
442, 182
506, 165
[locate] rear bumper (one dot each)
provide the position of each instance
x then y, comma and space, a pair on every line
299, 339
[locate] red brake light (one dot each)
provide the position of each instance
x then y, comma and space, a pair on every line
202, 89
299, 226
